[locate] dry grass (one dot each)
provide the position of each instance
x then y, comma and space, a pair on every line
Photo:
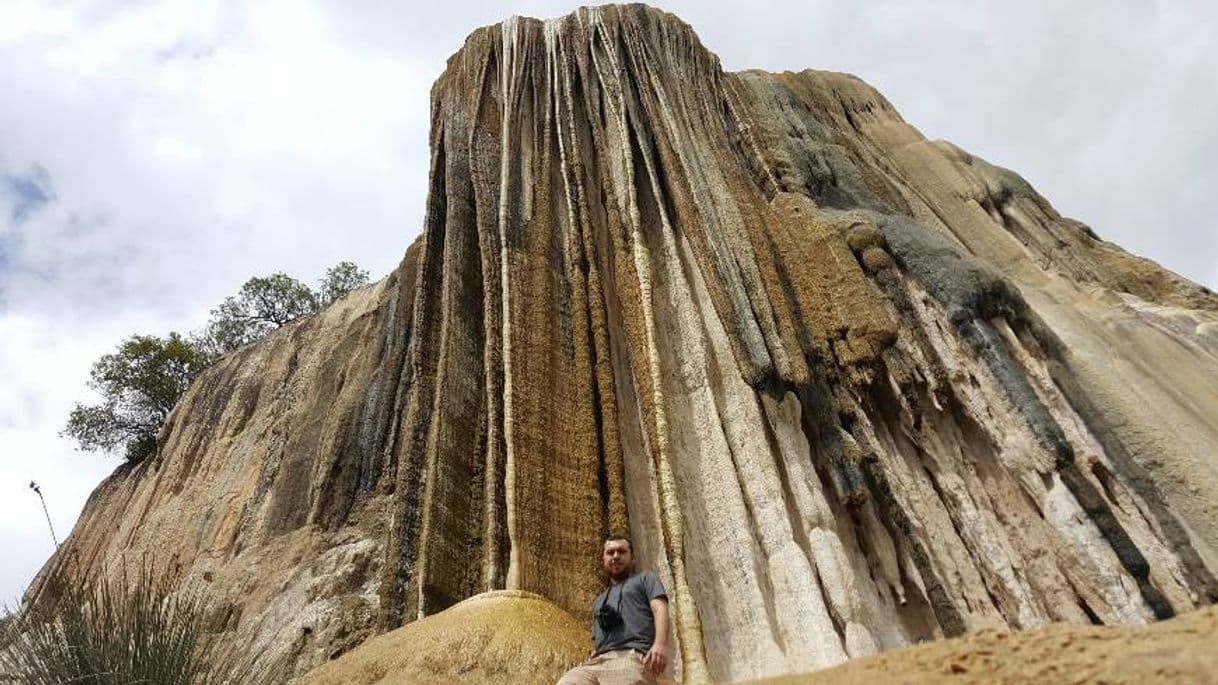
121, 629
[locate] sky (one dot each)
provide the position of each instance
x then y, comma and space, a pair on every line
156, 154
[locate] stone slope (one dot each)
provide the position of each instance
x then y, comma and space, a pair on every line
1181, 650
502, 637
507, 637
255, 492
517, 638
847, 388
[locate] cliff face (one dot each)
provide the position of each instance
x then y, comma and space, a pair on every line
845, 387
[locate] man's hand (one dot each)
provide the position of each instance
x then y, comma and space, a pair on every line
657, 658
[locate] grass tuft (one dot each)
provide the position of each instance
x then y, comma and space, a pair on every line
122, 629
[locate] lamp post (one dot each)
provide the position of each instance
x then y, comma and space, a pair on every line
38, 491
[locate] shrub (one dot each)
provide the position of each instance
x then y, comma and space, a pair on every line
121, 631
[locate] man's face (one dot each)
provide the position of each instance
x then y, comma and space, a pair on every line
616, 558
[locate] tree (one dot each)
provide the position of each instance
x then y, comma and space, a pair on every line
262, 305
340, 279
139, 383
269, 302
142, 380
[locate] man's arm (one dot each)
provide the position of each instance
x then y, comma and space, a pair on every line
657, 657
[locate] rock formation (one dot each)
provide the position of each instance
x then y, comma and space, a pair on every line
1180, 650
504, 637
846, 388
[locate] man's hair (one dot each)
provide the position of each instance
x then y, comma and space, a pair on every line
615, 538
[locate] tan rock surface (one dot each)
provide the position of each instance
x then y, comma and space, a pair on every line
254, 494
847, 388
496, 637
1182, 650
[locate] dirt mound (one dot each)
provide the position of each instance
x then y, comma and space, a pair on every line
495, 637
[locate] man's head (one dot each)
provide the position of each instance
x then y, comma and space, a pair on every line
617, 556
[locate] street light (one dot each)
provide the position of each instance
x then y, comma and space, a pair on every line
38, 491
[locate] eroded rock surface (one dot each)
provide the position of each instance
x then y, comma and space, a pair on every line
1180, 650
500, 637
847, 388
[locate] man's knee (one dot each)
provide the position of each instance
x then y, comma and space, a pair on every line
620, 669
580, 675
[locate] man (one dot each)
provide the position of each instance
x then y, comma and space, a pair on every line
629, 624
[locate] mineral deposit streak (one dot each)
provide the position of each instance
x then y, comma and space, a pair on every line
845, 387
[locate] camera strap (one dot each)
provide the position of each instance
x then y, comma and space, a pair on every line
609, 593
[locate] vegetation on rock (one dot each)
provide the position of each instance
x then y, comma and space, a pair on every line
143, 378
266, 303
139, 384
339, 280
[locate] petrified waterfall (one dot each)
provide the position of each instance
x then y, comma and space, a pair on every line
845, 387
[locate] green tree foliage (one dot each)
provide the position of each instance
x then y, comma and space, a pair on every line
142, 380
263, 304
139, 383
269, 302
339, 280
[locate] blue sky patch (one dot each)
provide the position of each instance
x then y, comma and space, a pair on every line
31, 191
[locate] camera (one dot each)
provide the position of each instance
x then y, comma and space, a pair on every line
608, 617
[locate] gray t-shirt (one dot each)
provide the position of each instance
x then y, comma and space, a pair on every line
632, 599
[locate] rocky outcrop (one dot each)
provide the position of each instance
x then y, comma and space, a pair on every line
513, 637
1180, 650
254, 494
847, 388
501, 637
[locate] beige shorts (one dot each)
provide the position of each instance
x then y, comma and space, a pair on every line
619, 667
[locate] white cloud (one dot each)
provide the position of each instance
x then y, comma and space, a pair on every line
42, 367
24, 20
190, 145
